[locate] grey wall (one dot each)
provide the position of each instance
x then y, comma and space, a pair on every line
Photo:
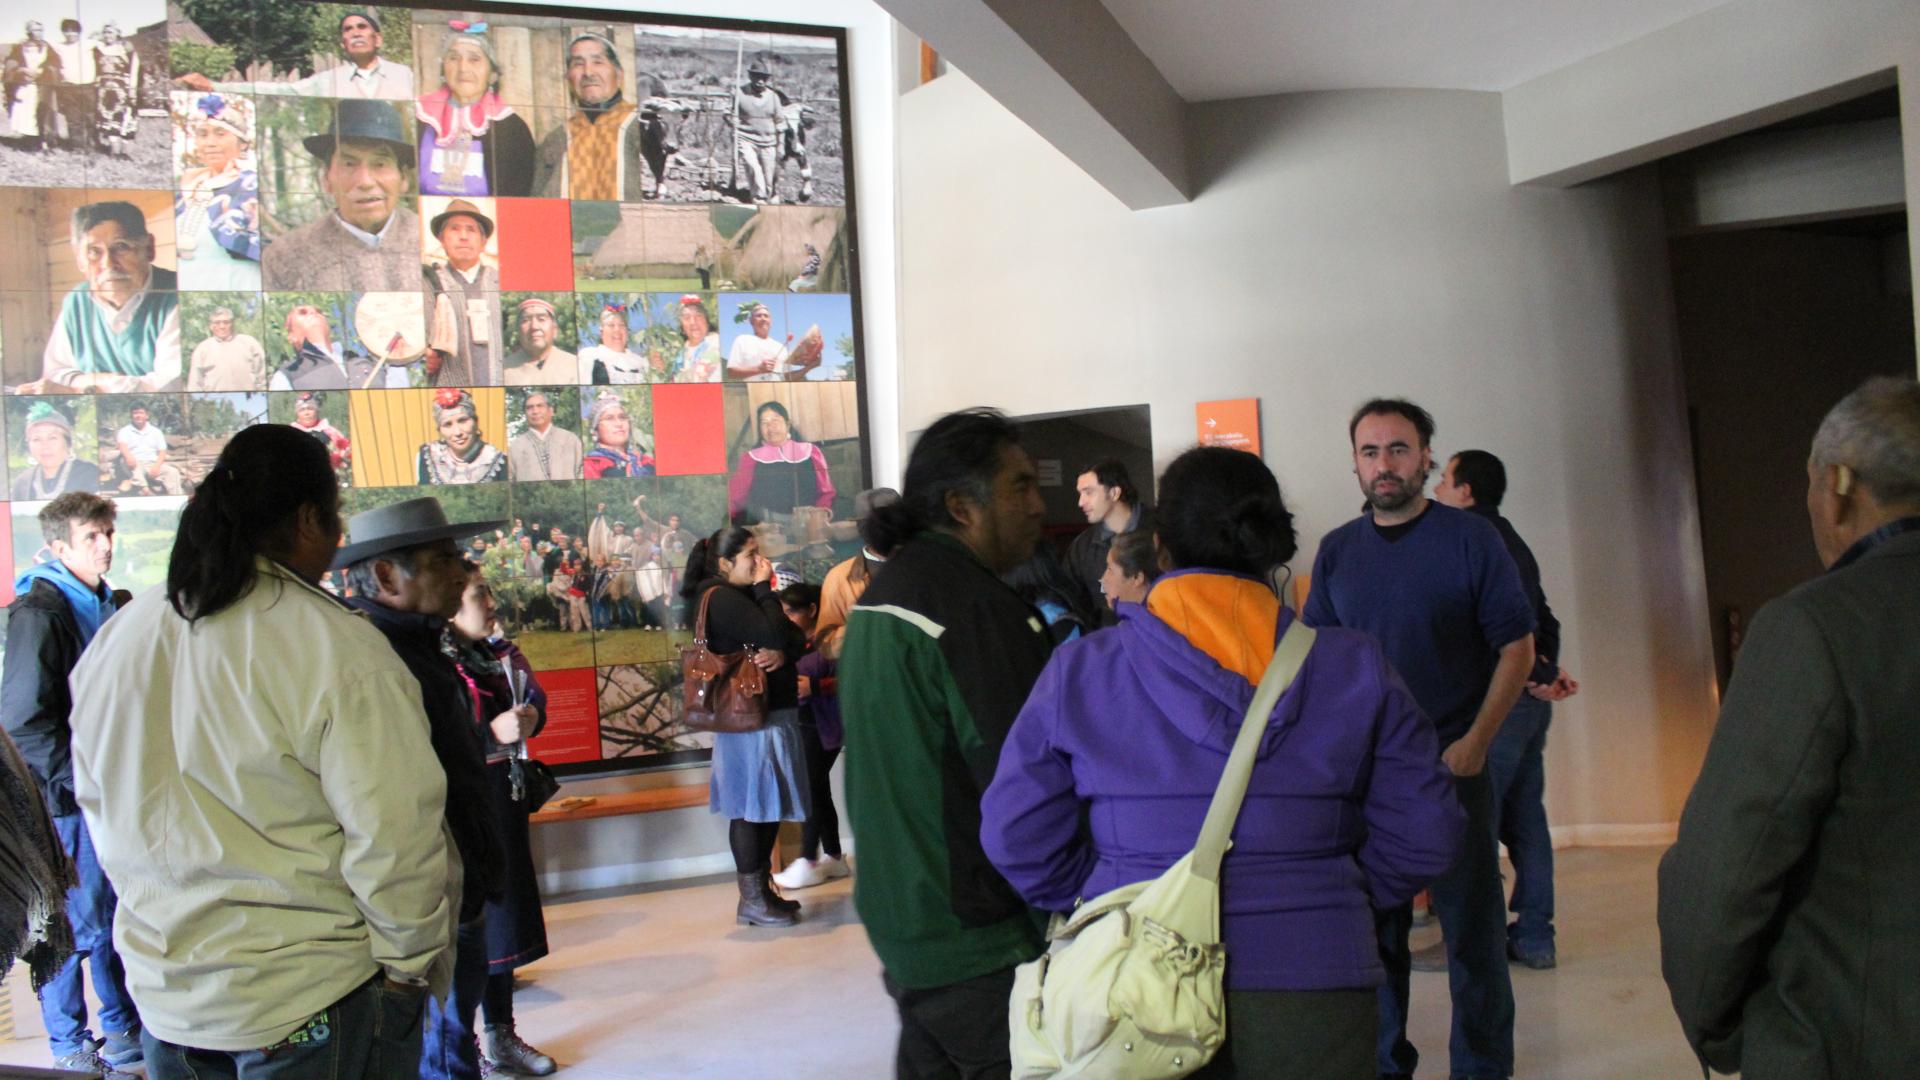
1728, 70
1343, 245
1775, 326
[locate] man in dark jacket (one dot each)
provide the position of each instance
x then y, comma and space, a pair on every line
57, 607
938, 657
407, 574
1787, 935
1476, 481
1112, 506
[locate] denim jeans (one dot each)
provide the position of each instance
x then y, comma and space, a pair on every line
90, 907
1469, 902
450, 1050
1520, 819
371, 1034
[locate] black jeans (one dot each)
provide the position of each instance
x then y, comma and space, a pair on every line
1471, 905
371, 1034
954, 1032
1297, 1035
823, 825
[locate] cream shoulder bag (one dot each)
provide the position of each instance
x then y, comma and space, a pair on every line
1132, 985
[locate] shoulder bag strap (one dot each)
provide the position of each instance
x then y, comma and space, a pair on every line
700, 621
1216, 835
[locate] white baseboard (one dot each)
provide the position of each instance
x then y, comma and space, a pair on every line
627, 875
1657, 834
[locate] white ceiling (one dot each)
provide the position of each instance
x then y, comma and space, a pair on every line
1214, 49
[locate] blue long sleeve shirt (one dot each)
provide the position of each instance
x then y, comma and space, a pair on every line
1442, 600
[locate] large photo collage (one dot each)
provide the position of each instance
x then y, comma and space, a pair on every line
589, 274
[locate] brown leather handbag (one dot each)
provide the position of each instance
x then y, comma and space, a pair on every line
723, 691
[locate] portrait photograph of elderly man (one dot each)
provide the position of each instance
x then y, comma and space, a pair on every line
366, 237
463, 287
107, 320
295, 50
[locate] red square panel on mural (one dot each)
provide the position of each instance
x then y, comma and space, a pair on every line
536, 243
573, 718
689, 429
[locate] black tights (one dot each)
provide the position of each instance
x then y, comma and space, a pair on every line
823, 825
752, 843
496, 1002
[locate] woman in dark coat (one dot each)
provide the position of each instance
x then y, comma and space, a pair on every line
759, 777
516, 930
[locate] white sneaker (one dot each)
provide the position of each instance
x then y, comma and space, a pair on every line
833, 866
800, 874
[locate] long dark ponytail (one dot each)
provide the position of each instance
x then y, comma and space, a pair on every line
247, 505
703, 561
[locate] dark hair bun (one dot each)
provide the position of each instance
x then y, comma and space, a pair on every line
1221, 509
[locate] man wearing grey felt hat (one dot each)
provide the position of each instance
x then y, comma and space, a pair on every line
406, 573
370, 241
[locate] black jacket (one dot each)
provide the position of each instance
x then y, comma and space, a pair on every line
1787, 934
751, 616
43, 645
1546, 630
457, 742
1087, 560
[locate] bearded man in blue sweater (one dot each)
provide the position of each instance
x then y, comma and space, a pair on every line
1439, 591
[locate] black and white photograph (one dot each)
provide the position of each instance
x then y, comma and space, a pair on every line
754, 117
85, 95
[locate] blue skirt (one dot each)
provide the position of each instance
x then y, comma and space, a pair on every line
761, 775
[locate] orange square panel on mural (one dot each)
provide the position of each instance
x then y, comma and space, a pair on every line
1234, 423
689, 429
536, 244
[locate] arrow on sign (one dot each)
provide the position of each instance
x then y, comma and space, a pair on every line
1211, 422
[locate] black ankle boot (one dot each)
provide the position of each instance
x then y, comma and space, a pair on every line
756, 907
774, 899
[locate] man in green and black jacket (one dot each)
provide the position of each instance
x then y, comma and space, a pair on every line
939, 658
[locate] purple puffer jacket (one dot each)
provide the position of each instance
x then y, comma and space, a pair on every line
1129, 729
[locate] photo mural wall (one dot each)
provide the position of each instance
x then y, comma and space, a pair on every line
593, 273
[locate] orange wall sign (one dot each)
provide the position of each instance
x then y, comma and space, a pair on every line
1234, 423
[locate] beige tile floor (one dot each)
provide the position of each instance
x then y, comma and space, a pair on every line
660, 984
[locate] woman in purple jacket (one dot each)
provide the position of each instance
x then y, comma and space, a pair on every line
1107, 773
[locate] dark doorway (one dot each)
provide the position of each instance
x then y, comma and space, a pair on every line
1064, 443
1777, 322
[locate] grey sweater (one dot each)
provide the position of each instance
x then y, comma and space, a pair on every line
324, 255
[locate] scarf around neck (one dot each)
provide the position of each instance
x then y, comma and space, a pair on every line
452, 121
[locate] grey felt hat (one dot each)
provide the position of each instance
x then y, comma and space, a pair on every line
363, 120
403, 525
